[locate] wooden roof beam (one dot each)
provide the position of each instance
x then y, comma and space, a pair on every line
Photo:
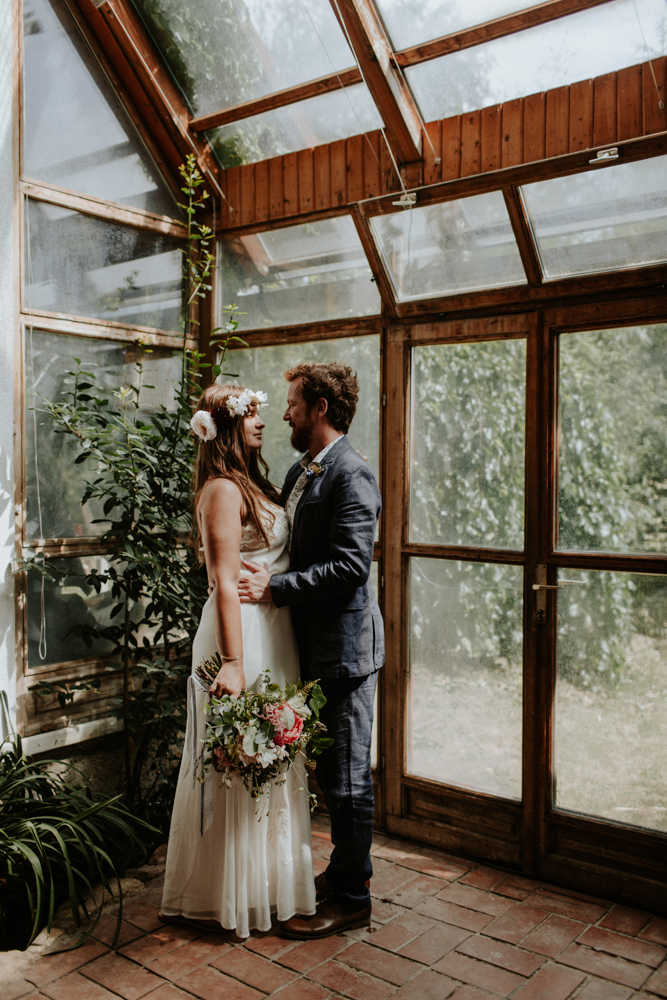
386, 83
149, 71
278, 99
501, 26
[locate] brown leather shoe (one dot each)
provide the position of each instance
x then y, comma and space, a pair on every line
328, 919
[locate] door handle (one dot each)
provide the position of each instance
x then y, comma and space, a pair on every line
557, 586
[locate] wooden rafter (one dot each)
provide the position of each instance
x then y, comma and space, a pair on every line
144, 74
501, 26
278, 99
386, 83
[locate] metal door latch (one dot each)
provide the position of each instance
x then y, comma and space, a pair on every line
541, 586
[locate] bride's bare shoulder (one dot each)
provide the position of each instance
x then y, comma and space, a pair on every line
218, 493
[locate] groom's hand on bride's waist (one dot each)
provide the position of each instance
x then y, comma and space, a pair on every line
254, 584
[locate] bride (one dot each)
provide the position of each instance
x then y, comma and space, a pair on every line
230, 862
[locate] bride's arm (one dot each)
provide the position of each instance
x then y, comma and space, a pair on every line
219, 513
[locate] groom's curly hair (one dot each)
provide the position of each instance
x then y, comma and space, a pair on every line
334, 382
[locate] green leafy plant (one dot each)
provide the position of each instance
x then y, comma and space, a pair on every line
141, 461
58, 841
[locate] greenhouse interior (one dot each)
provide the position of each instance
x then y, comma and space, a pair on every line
406, 187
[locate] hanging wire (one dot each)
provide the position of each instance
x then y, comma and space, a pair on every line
42, 648
661, 103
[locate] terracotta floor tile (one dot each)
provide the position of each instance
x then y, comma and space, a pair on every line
390, 879
210, 984
121, 976
17, 987
438, 867
619, 970
427, 985
307, 954
350, 982
253, 970
596, 990
483, 878
140, 913
553, 935
106, 928
379, 963
513, 925
626, 947
433, 944
480, 974
302, 989
384, 912
182, 961
475, 899
656, 931
163, 940
516, 887
415, 891
450, 913
76, 987
506, 956
658, 982
269, 945
393, 850
567, 906
471, 993
398, 932
51, 967
625, 920
169, 992
553, 982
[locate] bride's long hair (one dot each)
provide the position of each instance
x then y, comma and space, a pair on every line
228, 456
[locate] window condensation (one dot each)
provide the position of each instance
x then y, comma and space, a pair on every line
88, 267
409, 22
76, 134
298, 274
583, 45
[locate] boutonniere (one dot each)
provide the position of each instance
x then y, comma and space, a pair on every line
314, 469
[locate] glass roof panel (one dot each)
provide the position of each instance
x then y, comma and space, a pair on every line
410, 22
76, 133
299, 274
583, 45
602, 220
224, 52
458, 246
298, 126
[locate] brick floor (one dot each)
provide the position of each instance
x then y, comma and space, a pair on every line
443, 928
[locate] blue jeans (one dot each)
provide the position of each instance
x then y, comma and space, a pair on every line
344, 775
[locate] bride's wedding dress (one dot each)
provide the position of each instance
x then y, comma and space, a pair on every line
234, 859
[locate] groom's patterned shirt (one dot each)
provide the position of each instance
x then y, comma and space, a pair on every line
300, 484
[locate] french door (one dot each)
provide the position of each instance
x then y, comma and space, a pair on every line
525, 594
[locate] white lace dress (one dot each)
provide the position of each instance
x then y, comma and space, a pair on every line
227, 862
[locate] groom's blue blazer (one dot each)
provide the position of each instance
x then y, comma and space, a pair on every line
336, 618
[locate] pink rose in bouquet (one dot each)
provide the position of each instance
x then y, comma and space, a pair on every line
287, 724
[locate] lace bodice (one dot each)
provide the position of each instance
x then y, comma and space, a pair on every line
275, 558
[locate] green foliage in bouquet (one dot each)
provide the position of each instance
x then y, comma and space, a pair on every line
259, 735
140, 461
57, 841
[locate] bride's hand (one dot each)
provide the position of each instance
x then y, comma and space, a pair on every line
229, 679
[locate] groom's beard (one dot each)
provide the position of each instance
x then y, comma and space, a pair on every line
301, 436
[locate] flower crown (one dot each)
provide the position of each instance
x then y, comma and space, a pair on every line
203, 423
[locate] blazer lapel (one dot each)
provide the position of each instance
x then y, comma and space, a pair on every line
327, 461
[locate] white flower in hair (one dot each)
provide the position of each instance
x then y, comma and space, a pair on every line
239, 405
203, 425
258, 399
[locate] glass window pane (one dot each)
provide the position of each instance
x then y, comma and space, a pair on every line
72, 605
263, 367
49, 458
321, 119
299, 274
602, 220
88, 267
467, 451
77, 134
465, 690
223, 53
582, 45
612, 472
457, 246
611, 697
410, 22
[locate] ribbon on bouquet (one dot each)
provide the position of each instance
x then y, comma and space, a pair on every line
206, 786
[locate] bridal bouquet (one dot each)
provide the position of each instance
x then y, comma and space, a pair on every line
259, 734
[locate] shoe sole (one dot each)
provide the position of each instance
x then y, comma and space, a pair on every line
337, 930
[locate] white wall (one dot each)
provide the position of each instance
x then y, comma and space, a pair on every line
8, 314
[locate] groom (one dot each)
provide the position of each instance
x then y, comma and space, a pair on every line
332, 502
